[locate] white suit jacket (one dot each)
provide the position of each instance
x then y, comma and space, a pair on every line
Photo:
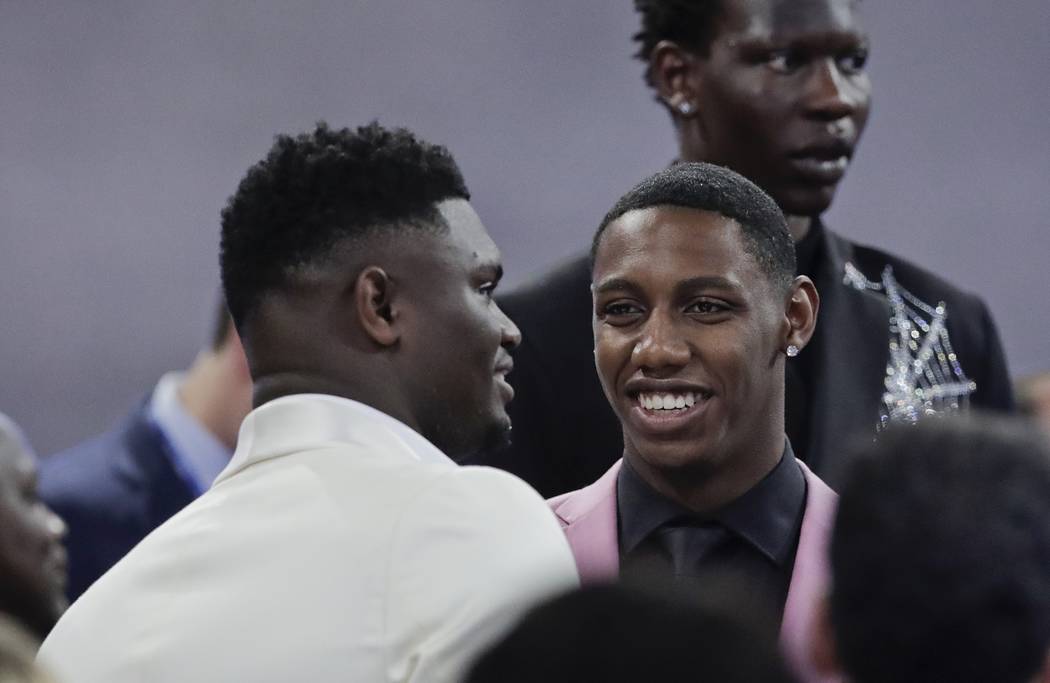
338, 545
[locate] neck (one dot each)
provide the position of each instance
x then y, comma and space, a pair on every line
273, 385
689, 139
799, 226
216, 395
708, 481
703, 490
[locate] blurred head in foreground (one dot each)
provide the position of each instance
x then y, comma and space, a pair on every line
941, 557
620, 632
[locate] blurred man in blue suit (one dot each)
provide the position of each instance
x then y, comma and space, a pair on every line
117, 487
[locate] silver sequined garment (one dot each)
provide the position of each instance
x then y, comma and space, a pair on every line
923, 375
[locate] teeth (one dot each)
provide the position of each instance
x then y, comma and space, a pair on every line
667, 401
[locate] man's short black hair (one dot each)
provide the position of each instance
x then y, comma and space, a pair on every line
617, 633
692, 24
320, 187
719, 190
941, 555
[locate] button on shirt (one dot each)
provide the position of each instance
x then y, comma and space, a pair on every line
753, 537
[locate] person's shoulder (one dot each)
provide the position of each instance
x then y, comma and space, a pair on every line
472, 485
82, 468
918, 280
97, 477
482, 517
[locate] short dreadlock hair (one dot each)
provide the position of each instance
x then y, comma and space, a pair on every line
690, 23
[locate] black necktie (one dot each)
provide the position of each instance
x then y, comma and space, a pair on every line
686, 544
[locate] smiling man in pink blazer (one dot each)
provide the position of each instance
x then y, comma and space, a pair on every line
696, 311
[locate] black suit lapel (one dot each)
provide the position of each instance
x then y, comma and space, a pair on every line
849, 374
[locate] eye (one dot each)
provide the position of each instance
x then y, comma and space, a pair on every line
784, 61
620, 313
853, 62
488, 290
706, 308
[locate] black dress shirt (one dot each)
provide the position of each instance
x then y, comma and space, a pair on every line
753, 538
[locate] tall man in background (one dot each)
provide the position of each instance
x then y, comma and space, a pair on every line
114, 489
776, 90
342, 543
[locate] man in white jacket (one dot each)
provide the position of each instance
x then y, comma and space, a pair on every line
341, 543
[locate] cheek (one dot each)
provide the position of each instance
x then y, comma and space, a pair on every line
22, 540
611, 354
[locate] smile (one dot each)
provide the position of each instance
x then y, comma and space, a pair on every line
668, 400
668, 412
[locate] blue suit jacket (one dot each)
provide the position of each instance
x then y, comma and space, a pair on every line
111, 491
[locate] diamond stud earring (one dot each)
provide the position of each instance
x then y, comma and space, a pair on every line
791, 351
685, 108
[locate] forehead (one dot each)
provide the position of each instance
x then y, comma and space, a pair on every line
786, 19
671, 244
467, 236
16, 464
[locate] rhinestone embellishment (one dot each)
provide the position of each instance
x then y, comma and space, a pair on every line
923, 374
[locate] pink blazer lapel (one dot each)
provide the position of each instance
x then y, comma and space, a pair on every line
809, 579
588, 516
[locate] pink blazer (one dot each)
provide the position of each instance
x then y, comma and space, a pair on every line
588, 517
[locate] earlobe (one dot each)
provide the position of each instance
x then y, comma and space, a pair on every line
374, 293
801, 311
673, 76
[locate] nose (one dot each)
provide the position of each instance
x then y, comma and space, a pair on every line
56, 526
832, 94
660, 346
510, 335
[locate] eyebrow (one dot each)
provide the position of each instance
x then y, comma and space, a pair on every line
701, 282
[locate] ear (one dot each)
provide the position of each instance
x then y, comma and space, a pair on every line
373, 298
800, 313
822, 649
674, 75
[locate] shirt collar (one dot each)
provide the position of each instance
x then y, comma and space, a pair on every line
768, 516
302, 422
197, 454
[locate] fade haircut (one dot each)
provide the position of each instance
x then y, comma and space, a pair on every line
318, 188
692, 24
941, 555
716, 189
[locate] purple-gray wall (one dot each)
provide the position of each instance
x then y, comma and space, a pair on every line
125, 125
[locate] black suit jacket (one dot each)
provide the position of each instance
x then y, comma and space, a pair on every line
111, 491
566, 436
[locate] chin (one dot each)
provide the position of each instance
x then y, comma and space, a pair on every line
684, 459
806, 201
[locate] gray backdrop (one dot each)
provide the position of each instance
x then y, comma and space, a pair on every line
125, 125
